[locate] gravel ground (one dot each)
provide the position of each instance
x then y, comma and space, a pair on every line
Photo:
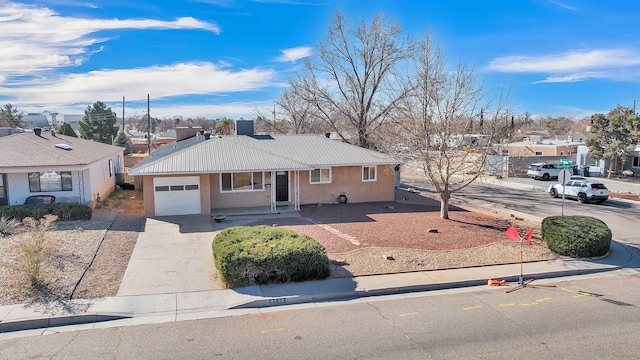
75, 244
91, 256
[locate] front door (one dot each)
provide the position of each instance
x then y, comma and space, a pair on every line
3, 190
282, 186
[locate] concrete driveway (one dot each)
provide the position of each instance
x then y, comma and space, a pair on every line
173, 254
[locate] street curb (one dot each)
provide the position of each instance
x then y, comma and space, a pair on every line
55, 321
364, 293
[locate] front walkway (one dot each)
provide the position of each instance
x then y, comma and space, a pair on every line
173, 254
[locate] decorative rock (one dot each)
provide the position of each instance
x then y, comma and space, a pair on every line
432, 230
388, 257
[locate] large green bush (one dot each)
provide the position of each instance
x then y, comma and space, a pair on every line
248, 255
576, 236
64, 211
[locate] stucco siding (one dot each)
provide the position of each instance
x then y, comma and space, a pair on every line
237, 199
18, 188
148, 193
348, 179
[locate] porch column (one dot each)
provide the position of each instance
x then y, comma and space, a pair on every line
296, 190
273, 191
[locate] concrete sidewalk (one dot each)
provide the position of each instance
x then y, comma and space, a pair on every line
34, 319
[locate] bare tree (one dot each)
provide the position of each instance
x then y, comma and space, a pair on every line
350, 82
298, 113
437, 120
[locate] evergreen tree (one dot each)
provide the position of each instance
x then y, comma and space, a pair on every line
122, 140
66, 129
615, 135
9, 116
98, 123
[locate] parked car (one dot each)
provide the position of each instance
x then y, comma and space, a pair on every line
544, 171
582, 190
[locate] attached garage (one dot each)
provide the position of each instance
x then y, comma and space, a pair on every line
177, 195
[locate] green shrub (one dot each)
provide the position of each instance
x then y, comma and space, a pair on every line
248, 255
63, 211
576, 236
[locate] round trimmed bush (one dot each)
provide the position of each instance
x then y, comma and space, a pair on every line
248, 255
576, 236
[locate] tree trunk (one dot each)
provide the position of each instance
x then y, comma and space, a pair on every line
444, 204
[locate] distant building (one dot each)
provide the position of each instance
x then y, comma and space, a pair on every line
34, 120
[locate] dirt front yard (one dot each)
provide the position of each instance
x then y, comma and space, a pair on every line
361, 239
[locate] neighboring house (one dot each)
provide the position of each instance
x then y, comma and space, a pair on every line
537, 146
71, 169
203, 173
34, 120
4, 131
600, 167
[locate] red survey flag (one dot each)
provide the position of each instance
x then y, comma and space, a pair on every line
512, 233
528, 236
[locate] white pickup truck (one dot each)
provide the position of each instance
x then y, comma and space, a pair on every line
544, 171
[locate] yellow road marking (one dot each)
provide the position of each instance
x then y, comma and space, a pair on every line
271, 330
511, 304
411, 313
472, 307
528, 304
579, 295
543, 299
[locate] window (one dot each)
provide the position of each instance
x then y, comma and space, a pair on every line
636, 161
110, 168
320, 176
368, 173
242, 181
538, 153
50, 181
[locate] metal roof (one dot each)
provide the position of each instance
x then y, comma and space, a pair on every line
255, 153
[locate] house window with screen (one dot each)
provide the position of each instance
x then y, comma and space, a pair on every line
50, 181
368, 173
242, 181
320, 176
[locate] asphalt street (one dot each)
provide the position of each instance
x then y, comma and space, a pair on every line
589, 318
529, 197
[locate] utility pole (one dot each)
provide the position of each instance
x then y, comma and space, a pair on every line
634, 106
149, 124
123, 115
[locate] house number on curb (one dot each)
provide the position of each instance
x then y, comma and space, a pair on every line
277, 301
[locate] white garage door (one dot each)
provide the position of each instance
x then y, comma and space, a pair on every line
177, 195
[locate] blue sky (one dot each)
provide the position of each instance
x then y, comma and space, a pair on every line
216, 58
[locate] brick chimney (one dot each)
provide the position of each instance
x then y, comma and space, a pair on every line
186, 132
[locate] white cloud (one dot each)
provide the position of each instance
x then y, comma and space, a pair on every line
295, 54
574, 77
161, 81
562, 5
233, 110
36, 38
566, 62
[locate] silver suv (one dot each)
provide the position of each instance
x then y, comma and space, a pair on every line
582, 190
